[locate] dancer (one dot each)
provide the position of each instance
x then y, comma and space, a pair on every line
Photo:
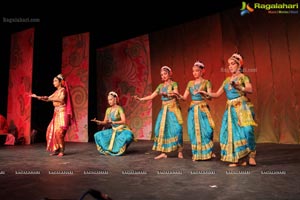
200, 123
237, 138
113, 141
63, 116
168, 127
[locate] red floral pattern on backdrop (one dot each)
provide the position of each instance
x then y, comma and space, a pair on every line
20, 82
125, 68
75, 68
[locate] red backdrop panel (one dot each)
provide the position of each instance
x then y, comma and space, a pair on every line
75, 67
125, 68
20, 82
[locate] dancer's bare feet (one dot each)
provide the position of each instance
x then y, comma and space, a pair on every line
243, 164
160, 156
233, 165
213, 155
53, 153
252, 162
180, 155
60, 154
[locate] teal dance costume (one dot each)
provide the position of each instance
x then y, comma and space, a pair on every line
200, 123
114, 141
168, 126
237, 138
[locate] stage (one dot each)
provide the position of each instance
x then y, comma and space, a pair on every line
28, 172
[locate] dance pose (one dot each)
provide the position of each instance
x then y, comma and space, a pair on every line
200, 123
113, 141
62, 118
168, 127
237, 138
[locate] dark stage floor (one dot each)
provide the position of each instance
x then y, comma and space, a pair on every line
137, 175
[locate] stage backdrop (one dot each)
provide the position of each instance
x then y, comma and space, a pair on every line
75, 68
125, 68
20, 81
270, 45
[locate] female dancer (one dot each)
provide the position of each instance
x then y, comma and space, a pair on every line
62, 117
113, 141
168, 127
200, 123
237, 138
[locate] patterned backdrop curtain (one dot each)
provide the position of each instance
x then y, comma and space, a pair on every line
75, 68
125, 68
20, 82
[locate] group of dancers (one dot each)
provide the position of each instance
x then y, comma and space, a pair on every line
237, 140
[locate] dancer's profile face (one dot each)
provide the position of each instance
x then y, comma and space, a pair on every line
56, 82
111, 100
233, 66
165, 75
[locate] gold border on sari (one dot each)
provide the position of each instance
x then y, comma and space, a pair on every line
113, 136
172, 106
244, 119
